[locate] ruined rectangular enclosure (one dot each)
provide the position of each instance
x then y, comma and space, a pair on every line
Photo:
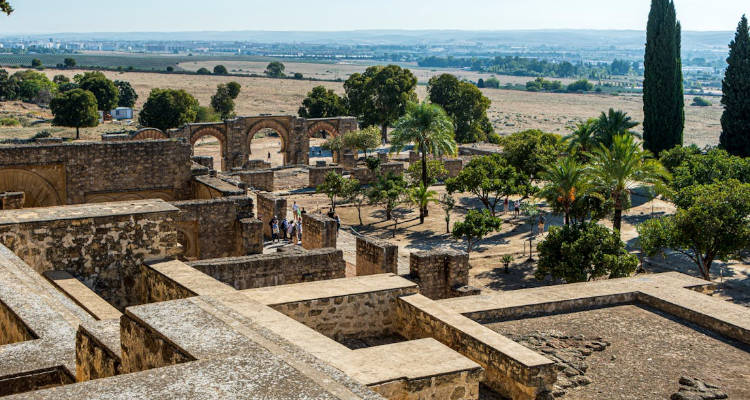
171, 298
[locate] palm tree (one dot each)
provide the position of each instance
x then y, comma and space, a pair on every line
612, 124
421, 197
566, 182
430, 129
615, 170
583, 139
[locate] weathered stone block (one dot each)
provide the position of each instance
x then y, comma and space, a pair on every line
318, 231
318, 174
270, 206
440, 273
376, 256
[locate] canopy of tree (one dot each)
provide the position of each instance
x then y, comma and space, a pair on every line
105, 91
735, 122
75, 108
275, 69
465, 104
475, 226
168, 108
323, 103
127, 95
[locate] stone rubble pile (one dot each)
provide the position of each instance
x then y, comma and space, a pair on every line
696, 389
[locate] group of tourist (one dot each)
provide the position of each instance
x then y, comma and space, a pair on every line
287, 229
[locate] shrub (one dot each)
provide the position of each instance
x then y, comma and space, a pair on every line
9, 122
494, 138
701, 102
582, 85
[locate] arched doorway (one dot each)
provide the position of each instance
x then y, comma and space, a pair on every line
319, 133
149, 134
210, 142
38, 192
267, 141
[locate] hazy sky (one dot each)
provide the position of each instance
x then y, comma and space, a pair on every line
224, 15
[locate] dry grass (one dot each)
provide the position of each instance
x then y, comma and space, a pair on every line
511, 111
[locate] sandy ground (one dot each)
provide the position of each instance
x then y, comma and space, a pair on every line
511, 111
648, 353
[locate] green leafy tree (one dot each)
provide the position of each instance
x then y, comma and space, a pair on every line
430, 129
105, 91
615, 170
492, 83
421, 196
435, 172
69, 62
580, 253
356, 194
663, 100
203, 71
127, 95
5, 7
676, 156
712, 222
475, 226
448, 203
222, 102
364, 140
234, 89
465, 104
168, 108
207, 114
490, 179
531, 151
76, 109
220, 70
583, 139
333, 186
380, 95
613, 123
36, 63
714, 166
9, 86
32, 83
275, 69
60, 79
322, 103
735, 122
582, 85
566, 183
388, 190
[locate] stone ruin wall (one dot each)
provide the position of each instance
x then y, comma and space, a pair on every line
454, 166
258, 180
376, 256
441, 274
104, 252
268, 207
365, 176
318, 175
263, 270
318, 231
97, 172
215, 228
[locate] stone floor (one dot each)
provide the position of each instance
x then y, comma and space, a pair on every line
648, 353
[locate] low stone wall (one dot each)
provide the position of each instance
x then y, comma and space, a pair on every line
257, 179
282, 268
349, 316
154, 287
12, 329
413, 157
511, 369
318, 231
96, 359
454, 167
440, 273
207, 187
256, 164
103, 245
318, 175
206, 161
213, 228
143, 348
376, 256
348, 161
365, 176
463, 385
252, 236
270, 206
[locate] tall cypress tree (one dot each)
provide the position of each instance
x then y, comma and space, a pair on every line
663, 98
735, 122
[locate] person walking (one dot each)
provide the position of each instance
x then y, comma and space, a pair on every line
505, 205
299, 232
269, 155
338, 221
275, 231
540, 224
283, 228
517, 207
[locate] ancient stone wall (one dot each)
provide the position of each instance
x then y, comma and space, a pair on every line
351, 316
376, 256
259, 180
318, 231
206, 161
270, 206
456, 386
103, 245
154, 287
75, 173
263, 270
211, 187
12, 329
318, 175
440, 273
143, 348
213, 228
256, 164
252, 236
522, 375
94, 358
454, 166
348, 161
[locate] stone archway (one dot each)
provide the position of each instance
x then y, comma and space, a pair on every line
322, 126
219, 135
38, 191
149, 134
275, 126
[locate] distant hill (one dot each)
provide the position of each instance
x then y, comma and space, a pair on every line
584, 39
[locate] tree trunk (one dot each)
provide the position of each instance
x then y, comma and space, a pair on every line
78, 133
384, 133
423, 210
359, 214
567, 219
388, 213
617, 221
706, 268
